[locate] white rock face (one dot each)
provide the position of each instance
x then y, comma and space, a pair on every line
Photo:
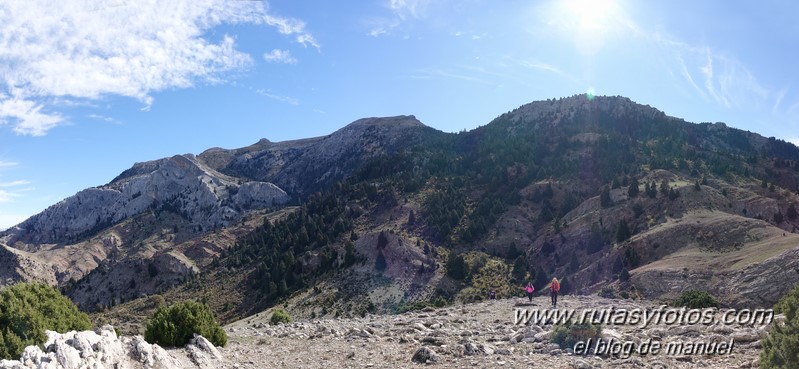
258, 195
196, 188
182, 184
103, 349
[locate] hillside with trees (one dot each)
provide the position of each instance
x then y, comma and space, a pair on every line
606, 194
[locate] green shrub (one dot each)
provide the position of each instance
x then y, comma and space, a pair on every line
27, 310
457, 267
156, 301
279, 316
567, 335
781, 345
694, 299
607, 292
175, 325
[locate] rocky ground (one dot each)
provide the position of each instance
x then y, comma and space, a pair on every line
480, 335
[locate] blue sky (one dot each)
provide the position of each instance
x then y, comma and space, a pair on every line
89, 88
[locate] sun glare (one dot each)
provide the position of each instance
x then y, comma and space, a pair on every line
591, 14
590, 94
588, 22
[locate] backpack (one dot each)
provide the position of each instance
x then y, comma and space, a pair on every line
555, 286
530, 288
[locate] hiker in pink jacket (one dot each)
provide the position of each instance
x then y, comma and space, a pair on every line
529, 289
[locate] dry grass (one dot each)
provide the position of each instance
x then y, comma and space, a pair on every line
758, 242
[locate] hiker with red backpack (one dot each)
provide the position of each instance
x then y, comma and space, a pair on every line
529, 289
554, 288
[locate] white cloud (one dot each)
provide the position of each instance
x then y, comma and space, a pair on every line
379, 26
7, 196
409, 8
778, 100
377, 31
548, 68
281, 98
689, 78
715, 76
86, 50
280, 56
794, 107
14, 183
10, 190
291, 26
104, 118
27, 116
401, 10
441, 73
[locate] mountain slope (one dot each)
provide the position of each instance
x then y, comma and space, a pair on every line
606, 194
603, 193
206, 198
157, 215
305, 166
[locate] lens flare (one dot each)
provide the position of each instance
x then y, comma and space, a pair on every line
590, 94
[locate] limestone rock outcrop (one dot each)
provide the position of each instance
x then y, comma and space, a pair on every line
103, 349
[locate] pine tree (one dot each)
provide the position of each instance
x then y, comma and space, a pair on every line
623, 231
541, 280
664, 188
380, 261
624, 276
548, 193
604, 198
791, 212
513, 252
633, 189
595, 242
382, 241
780, 346
456, 266
565, 286
349, 255
519, 269
547, 248
651, 190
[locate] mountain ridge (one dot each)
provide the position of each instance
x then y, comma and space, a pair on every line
388, 212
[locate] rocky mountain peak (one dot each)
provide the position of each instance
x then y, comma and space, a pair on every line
399, 121
555, 110
181, 183
303, 166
